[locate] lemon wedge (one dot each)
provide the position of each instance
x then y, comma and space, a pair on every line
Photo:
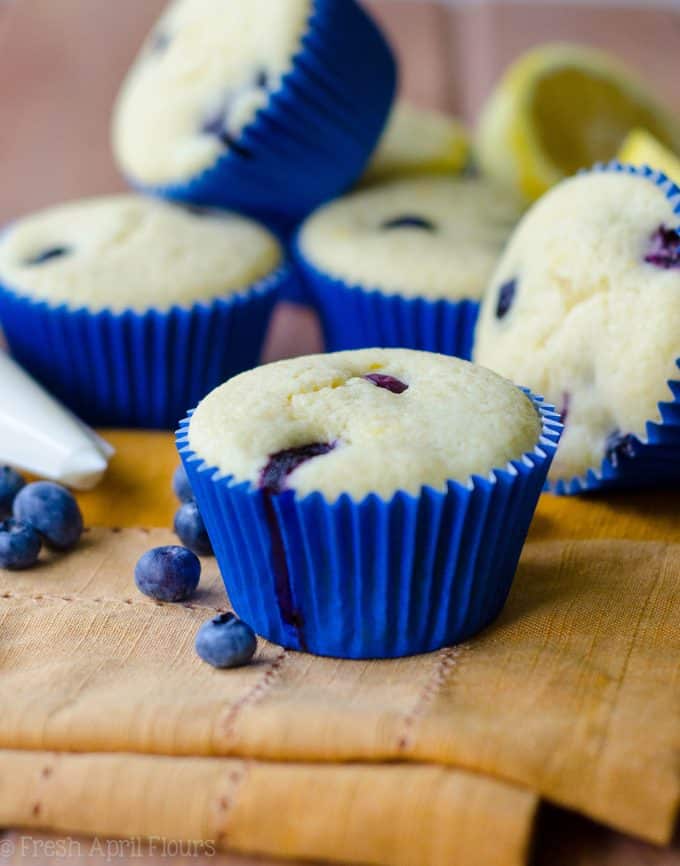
641, 148
562, 107
418, 141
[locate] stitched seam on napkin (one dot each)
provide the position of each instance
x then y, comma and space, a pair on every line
446, 661
224, 804
44, 596
253, 696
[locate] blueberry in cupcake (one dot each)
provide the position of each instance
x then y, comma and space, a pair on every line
585, 308
368, 503
130, 309
266, 107
406, 262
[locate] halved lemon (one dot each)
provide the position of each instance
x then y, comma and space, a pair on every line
562, 107
419, 141
641, 148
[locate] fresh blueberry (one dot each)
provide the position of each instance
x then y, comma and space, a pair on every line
216, 125
226, 642
181, 485
280, 465
389, 383
19, 545
665, 249
10, 484
168, 573
47, 255
506, 296
191, 530
52, 511
409, 221
619, 446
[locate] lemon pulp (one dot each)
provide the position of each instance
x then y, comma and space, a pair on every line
581, 118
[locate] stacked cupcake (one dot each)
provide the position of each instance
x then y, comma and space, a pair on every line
243, 117
267, 108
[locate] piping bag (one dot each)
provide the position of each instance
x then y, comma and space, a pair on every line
39, 435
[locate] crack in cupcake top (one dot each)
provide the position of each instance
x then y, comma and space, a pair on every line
434, 237
128, 251
205, 60
594, 323
377, 420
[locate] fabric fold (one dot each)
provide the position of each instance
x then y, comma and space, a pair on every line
378, 816
569, 695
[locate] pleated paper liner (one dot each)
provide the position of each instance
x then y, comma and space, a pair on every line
373, 578
651, 460
139, 369
318, 130
354, 317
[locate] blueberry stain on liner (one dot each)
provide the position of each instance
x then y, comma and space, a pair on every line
273, 482
619, 446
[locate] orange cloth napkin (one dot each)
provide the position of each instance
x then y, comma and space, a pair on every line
571, 696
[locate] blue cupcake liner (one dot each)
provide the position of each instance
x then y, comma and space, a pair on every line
138, 369
313, 138
652, 460
354, 317
373, 578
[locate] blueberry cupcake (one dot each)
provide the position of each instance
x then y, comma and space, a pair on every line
370, 503
130, 309
405, 263
418, 141
266, 107
585, 308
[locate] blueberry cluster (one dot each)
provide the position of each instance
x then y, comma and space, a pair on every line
172, 574
32, 515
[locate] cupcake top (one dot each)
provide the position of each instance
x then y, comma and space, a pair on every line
365, 421
433, 237
585, 309
127, 251
203, 73
417, 141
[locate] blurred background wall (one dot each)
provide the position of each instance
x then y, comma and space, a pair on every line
61, 62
